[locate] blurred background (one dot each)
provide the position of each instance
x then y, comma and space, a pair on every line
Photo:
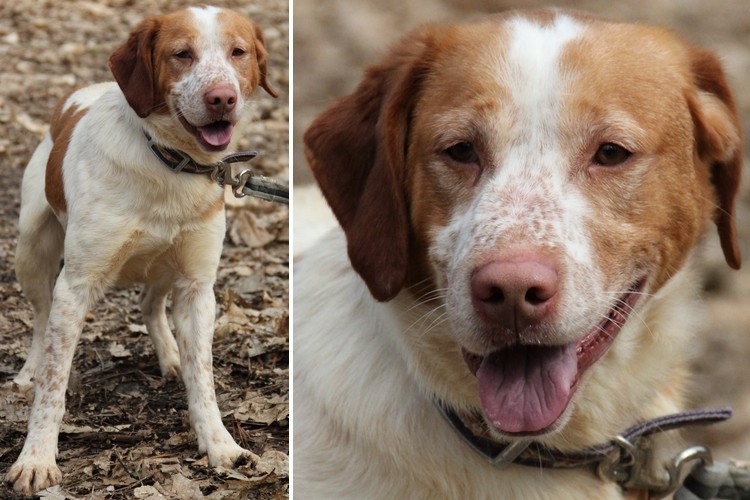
335, 39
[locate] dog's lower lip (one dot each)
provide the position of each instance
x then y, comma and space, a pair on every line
593, 346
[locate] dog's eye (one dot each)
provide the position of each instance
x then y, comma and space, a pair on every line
184, 55
462, 152
611, 155
238, 52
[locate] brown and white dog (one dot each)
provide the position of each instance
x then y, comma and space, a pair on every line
520, 199
94, 192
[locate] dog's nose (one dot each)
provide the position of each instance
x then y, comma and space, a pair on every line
220, 99
515, 293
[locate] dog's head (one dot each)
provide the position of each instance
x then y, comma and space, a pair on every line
542, 176
191, 73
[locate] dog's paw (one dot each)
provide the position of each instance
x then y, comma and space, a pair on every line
171, 370
31, 475
228, 455
24, 381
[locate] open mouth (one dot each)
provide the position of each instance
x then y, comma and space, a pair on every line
525, 389
214, 136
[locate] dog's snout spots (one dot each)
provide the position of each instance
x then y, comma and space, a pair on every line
515, 293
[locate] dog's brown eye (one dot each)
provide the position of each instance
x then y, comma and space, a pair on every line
238, 52
611, 155
184, 55
462, 152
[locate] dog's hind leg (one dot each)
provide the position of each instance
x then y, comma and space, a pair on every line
153, 308
38, 255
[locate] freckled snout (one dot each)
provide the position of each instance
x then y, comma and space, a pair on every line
220, 100
515, 293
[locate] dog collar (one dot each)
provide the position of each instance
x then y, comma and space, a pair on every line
246, 183
177, 161
623, 459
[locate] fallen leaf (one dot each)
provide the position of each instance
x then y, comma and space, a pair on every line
246, 231
147, 493
262, 409
185, 488
273, 461
119, 350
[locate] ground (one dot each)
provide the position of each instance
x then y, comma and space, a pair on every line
335, 39
125, 432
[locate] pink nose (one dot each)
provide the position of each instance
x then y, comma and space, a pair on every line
220, 99
515, 293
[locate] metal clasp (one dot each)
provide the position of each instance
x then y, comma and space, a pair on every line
677, 469
219, 175
239, 181
629, 465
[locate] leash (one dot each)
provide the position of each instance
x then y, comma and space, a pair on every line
246, 183
625, 459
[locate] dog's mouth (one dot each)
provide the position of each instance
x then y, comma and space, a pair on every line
525, 389
214, 136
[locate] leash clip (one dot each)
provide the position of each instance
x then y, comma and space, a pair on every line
629, 465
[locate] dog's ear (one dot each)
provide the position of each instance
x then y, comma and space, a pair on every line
357, 152
718, 137
262, 56
132, 66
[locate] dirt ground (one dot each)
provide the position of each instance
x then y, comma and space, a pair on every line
126, 433
334, 39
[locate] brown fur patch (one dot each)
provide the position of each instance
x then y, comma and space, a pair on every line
61, 129
131, 65
212, 209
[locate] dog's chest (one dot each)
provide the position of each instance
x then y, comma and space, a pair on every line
150, 255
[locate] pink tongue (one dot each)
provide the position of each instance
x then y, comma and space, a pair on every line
217, 135
526, 388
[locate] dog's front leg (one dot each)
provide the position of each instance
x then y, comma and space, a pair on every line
194, 307
35, 468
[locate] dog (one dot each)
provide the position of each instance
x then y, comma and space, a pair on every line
98, 192
519, 201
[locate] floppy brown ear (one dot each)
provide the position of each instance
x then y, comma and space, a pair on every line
262, 55
357, 152
132, 66
718, 136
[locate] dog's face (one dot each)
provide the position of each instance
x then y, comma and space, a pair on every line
192, 72
545, 175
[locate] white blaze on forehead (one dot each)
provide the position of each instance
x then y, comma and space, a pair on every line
206, 19
534, 79
207, 23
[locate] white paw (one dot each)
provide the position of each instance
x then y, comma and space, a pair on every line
31, 474
227, 455
170, 370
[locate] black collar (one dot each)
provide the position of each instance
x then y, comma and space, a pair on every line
177, 161
471, 427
